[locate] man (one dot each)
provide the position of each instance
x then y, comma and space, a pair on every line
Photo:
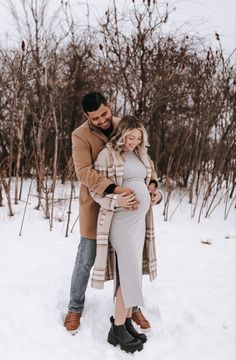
87, 141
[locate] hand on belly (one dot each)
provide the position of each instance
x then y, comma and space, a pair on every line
142, 197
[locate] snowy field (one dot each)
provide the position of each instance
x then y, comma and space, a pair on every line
191, 305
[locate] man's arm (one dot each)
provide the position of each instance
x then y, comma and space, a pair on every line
83, 163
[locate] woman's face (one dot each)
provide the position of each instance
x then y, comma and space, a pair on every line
133, 139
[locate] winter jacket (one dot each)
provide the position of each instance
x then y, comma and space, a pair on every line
87, 142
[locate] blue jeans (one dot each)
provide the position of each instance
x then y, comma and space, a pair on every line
83, 264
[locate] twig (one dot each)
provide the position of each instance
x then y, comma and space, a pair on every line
27, 200
74, 224
69, 210
181, 199
227, 211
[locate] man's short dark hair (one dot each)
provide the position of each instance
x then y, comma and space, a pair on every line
92, 101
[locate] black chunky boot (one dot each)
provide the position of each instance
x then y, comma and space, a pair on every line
131, 329
120, 335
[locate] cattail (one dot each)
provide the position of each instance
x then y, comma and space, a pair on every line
23, 45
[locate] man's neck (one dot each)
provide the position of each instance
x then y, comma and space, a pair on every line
108, 132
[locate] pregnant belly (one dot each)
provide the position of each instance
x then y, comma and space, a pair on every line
142, 195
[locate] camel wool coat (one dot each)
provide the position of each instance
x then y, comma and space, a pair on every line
110, 164
87, 142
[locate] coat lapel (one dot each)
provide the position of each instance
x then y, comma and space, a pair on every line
101, 135
117, 165
119, 170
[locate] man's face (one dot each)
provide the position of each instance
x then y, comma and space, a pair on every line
101, 118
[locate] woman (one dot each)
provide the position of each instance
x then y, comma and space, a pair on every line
126, 220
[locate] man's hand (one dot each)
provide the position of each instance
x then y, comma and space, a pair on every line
121, 190
156, 196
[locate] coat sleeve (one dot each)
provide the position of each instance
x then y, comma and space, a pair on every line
106, 201
83, 163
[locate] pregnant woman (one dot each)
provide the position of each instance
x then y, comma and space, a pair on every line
125, 234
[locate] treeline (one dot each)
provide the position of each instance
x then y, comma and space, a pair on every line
183, 91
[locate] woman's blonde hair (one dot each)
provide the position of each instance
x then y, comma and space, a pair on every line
127, 124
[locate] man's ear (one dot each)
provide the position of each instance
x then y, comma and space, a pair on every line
109, 106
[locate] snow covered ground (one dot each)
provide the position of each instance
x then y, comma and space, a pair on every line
191, 305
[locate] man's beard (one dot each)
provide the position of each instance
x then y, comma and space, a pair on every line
107, 124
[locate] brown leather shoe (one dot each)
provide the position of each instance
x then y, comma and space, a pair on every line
140, 320
72, 322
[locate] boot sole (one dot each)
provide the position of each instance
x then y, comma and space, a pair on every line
138, 327
73, 332
146, 331
129, 349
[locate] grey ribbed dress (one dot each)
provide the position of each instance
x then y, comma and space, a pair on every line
127, 232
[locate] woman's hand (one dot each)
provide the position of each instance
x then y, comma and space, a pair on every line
127, 201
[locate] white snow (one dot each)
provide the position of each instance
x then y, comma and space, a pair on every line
191, 305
